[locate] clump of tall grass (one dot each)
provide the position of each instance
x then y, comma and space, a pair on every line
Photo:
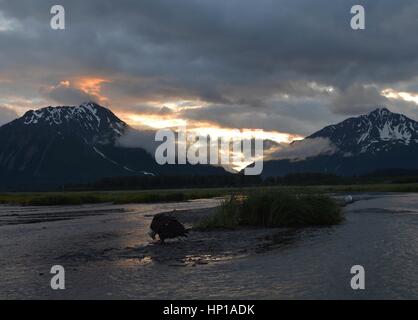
274, 208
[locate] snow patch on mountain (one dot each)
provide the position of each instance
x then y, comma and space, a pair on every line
379, 130
88, 114
94, 123
103, 155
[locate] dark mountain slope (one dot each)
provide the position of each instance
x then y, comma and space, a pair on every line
60, 145
378, 140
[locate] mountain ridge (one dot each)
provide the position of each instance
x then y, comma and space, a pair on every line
370, 132
90, 119
54, 146
378, 140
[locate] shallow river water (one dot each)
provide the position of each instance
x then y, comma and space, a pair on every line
107, 254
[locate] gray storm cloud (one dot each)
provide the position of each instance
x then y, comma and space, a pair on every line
6, 115
358, 99
138, 139
265, 64
300, 150
66, 95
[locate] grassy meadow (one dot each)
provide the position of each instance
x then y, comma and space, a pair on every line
173, 195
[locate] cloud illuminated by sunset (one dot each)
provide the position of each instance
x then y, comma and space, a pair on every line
92, 86
406, 96
204, 128
280, 83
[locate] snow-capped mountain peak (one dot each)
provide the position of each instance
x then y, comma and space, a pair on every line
379, 130
60, 114
379, 112
55, 146
92, 121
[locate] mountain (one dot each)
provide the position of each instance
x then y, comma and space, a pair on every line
379, 130
54, 146
375, 141
90, 122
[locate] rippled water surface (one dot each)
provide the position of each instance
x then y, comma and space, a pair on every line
107, 254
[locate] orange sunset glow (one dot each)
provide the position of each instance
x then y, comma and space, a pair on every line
150, 121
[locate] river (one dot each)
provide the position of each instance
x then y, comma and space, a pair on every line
107, 254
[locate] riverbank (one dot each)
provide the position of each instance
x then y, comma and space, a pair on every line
172, 195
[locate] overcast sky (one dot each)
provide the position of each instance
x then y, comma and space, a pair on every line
284, 66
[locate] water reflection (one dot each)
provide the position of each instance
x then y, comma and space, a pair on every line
109, 255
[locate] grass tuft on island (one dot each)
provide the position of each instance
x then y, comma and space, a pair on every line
275, 208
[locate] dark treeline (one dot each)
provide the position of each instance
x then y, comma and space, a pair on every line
307, 179
169, 182
394, 176
240, 180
